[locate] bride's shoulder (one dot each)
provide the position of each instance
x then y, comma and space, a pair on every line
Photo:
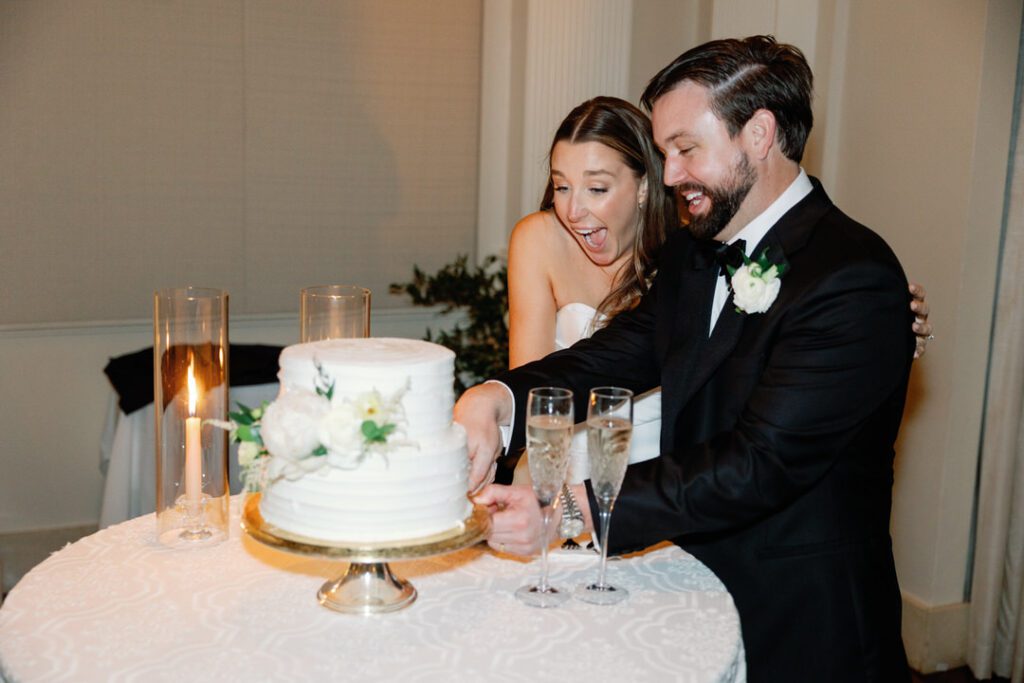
537, 232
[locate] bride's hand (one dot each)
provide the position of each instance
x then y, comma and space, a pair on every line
922, 328
480, 410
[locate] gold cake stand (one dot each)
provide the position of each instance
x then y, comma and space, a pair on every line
368, 586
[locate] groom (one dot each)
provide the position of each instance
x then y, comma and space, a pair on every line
781, 396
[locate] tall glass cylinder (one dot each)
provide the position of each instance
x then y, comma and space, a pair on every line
190, 381
334, 312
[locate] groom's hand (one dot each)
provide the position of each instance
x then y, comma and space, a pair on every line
517, 526
480, 410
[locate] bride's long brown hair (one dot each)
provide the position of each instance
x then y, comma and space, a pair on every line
619, 125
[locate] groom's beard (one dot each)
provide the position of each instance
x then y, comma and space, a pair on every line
725, 200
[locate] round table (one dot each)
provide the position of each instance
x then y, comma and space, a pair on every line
117, 606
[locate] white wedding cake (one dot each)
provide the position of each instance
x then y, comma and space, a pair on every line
361, 443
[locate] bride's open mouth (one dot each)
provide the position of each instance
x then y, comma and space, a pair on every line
594, 238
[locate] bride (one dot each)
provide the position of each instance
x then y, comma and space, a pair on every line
589, 252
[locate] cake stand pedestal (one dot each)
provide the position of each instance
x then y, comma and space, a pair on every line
368, 586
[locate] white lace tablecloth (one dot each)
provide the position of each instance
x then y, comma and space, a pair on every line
116, 606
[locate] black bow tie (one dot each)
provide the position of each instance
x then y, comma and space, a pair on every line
709, 252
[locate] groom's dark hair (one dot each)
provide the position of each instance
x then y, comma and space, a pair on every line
743, 76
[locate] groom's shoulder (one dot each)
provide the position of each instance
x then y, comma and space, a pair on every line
840, 254
820, 230
842, 239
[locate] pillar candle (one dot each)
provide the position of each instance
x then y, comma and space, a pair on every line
193, 446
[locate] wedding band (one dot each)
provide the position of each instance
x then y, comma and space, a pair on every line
930, 337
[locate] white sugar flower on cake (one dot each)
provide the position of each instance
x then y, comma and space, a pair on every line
307, 430
290, 424
355, 428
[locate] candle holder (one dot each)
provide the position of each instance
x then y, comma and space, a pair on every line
334, 312
190, 384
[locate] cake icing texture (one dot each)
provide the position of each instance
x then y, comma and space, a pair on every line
361, 443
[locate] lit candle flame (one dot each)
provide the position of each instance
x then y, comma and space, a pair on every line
193, 393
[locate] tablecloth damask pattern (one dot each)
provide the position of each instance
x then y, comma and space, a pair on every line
116, 606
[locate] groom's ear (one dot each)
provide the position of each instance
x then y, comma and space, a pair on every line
759, 133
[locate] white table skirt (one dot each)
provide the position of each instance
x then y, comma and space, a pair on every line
117, 606
128, 456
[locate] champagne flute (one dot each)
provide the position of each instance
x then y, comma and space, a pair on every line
609, 428
549, 422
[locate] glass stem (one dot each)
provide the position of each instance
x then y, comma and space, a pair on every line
544, 587
604, 514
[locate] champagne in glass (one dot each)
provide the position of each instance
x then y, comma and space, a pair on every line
547, 443
609, 429
549, 423
608, 437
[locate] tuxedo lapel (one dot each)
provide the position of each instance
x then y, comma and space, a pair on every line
690, 315
715, 349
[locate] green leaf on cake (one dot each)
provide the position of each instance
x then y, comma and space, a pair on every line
375, 433
324, 384
247, 433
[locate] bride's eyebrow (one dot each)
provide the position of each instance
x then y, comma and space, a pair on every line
599, 171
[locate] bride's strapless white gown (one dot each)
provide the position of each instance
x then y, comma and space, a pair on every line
574, 322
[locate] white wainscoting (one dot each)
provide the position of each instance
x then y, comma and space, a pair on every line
935, 636
54, 399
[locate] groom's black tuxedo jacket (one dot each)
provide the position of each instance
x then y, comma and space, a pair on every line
777, 439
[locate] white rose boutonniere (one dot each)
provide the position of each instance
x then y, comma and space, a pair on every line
756, 283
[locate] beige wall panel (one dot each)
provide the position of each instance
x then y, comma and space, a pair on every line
662, 30
361, 153
122, 154
739, 18
252, 145
575, 50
